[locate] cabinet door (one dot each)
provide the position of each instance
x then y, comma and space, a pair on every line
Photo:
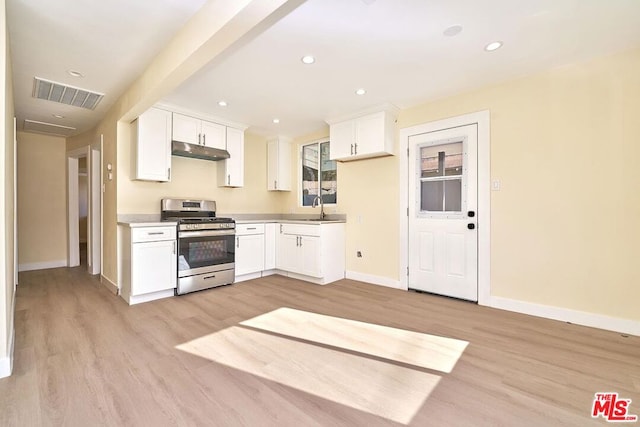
370, 134
270, 246
153, 145
213, 135
287, 253
153, 267
186, 129
231, 170
249, 254
279, 165
309, 261
342, 138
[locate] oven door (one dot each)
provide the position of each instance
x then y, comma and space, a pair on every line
205, 251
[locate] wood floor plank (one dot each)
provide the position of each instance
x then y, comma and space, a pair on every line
84, 357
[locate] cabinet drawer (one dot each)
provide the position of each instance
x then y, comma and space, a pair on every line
300, 229
152, 234
245, 229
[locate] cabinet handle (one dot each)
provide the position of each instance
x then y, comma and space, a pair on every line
204, 139
237, 242
228, 179
251, 228
155, 233
356, 147
199, 136
352, 149
174, 247
300, 241
275, 185
280, 228
169, 174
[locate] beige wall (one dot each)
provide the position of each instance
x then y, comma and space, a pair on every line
42, 206
564, 143
7, 158
367, 194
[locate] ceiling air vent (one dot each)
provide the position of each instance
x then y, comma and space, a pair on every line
47, 128
58, 92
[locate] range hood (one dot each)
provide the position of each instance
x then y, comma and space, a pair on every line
195, 151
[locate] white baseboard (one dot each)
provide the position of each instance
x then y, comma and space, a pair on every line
6, 363
113, 288
583, 318
375, 280
249, 276
42, 265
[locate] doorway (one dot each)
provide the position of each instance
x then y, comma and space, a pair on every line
84, 201
445, 202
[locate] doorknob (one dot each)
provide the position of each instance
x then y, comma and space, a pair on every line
471, 226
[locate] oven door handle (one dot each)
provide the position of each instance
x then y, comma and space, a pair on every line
207, 233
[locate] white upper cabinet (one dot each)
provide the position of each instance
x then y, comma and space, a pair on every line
195, 131
231, 170
367, 136
152, 142
279, 165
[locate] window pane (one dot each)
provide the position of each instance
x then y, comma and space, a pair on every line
432, 193
441, 195
441, 160
453, 195
329, 175
310, 175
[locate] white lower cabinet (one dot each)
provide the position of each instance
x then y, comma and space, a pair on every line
249, 248
311, 252
148, 263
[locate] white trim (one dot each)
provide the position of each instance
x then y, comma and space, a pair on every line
583, 318
152, 296
111, 286
248, 276
6, 363
483, 120
199, 115
30, 266
374, 280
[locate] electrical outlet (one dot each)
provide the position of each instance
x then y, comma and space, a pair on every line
359, 254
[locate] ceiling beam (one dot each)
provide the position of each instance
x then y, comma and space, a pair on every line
217, 30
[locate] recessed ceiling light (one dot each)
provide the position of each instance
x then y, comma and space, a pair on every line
58, 116
360, 91
75, 73
493, 46
222, 103
454, 30
308, 59
276, 121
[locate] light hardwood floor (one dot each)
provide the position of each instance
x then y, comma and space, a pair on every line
280, 352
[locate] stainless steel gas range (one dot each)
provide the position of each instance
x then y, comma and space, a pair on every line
206, 251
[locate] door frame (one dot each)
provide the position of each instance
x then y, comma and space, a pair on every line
94, 211
483, 120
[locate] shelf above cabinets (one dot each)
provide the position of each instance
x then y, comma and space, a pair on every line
367, 136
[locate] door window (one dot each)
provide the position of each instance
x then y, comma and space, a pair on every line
441, 177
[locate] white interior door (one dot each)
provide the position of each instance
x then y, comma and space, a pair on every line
443, 199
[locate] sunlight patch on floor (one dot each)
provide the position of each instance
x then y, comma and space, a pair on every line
384, 389
369, 384
415, 348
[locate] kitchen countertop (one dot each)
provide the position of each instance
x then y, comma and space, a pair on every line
143, 220
287, 218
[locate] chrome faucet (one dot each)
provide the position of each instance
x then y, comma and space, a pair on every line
315, 203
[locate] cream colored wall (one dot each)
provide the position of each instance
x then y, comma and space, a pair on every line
367, 194
42, 209
194, 178
564, 226
7, 158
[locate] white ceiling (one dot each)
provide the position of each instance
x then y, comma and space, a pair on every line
395, 49
110, 42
